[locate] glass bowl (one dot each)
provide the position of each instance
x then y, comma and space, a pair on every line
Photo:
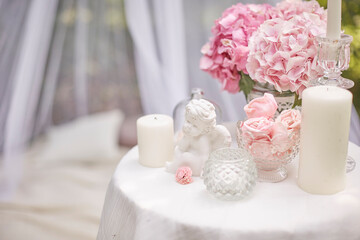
269, 156
230, 174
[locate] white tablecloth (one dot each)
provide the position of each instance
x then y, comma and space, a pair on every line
147, 203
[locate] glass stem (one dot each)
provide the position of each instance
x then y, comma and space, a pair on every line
331, 77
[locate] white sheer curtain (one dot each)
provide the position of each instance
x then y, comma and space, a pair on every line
151, 36
23, 86
167, 37
59, 60
178, 28
157, 29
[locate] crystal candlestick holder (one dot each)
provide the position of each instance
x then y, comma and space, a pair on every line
333, 57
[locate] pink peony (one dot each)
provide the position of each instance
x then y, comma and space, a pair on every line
183, 175
289, 8
227, 51
291, 119
261, 107
283, 52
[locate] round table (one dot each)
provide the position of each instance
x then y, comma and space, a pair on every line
147, 203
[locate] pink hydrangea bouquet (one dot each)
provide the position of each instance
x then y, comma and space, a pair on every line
268, 139
274, 45
225, 55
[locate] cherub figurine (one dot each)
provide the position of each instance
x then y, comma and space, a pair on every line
201, 136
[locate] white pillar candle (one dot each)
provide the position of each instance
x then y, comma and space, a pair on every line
324, 138
333, 29
155, 135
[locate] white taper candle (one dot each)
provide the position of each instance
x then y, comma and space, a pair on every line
333, 29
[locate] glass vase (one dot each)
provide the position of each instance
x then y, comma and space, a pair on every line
285, 99
270, 155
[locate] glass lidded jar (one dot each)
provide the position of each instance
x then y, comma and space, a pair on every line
179, 110
230, 173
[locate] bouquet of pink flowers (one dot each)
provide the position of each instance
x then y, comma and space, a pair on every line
266, 44
268, 139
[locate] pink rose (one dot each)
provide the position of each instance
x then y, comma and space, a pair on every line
264, 138
291, 119
280, 137
256, 134
261, 107
258, 128
183, 175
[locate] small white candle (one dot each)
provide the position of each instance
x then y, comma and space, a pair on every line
324, 138
155, 135
333, 29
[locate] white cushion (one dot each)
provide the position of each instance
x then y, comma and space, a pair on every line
90, 138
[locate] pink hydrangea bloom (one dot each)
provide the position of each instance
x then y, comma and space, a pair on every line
283, 52
227, 51
289, 8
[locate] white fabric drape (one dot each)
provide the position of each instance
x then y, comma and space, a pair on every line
81, 42
157, 29
26, 77
147, 203
59, 60
50, 79
167, 50
354, 135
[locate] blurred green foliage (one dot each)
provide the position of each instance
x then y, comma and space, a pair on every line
351, 25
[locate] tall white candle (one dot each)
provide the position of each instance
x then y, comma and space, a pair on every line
333, 29
324, 138
155, 135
